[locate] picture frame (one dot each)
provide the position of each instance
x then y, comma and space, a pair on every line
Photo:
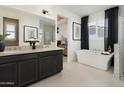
76, 31
30, 32
100, 33
92, 30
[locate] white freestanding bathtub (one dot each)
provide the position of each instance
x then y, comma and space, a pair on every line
94, 58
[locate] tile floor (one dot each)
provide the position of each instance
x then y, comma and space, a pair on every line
64, 58
78, 75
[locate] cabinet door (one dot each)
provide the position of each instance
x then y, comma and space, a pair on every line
8, 74
57, 62
45, 67
27, 71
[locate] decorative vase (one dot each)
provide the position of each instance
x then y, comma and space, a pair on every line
2, 46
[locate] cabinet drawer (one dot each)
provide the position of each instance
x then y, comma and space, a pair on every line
13, 58
49, 53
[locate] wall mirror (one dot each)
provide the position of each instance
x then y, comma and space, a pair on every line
10, 28
47, 29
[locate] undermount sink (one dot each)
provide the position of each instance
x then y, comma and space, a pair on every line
7, 52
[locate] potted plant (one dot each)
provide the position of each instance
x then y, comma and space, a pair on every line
2, 44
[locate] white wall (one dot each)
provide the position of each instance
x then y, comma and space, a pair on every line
73, 46
24, 19
98, 20
121, 41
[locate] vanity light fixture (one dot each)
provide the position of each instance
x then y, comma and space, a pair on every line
44, 11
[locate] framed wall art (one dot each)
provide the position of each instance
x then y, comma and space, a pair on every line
30, 33
76, 31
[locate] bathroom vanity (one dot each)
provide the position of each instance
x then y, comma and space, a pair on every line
23, 67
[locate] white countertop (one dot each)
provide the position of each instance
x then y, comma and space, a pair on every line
16, 52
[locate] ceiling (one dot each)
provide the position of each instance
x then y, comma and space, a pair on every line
83, 10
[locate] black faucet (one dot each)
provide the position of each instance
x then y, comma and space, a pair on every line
32, 43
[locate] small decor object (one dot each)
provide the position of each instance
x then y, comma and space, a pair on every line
32, 43
105, 53
2, 45
109, 49
57, 30
30, 33
76, 31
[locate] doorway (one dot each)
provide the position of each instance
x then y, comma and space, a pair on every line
62, 35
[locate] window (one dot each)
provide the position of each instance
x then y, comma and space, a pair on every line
11, 31
10, 27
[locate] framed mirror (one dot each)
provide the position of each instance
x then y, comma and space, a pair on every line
47, 29
11, 27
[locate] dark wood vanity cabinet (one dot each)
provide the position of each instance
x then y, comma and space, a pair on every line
45, 67
27, 71
23, 69
57, 63
8, 74
50, 63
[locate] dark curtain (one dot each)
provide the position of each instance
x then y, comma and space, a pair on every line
84, 33
111, 28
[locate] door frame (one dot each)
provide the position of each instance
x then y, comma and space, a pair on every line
66, 32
